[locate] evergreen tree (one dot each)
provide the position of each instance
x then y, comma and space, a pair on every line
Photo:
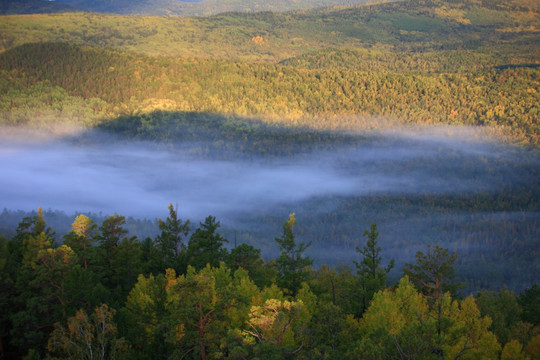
111, 233
34, 312
80, 238
248, 258
529, 301
173, 230
198, 303
432, 275
145, 314
293, 266
433, 272
372, 275
118, 261
34, 225
206, 245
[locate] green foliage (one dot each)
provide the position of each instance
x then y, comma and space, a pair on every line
504, 311
398, 323
337, 286
248, 258
433, 272
173, 229
372, 275
401, 323
293, 265
465, 69
111, 233
117, 260
197, 303
144, 313
412, 25
529, 301
39, 295
218, 313
205, 245
513, 350
273, 324
167, 79
81, 237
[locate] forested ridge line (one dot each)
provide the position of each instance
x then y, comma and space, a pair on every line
164, 7
183, 294
417, 25
104, 83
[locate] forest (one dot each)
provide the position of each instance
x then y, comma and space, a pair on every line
370, 170
418, 62
105, 294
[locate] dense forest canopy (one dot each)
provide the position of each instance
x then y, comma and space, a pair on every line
182, 294
510, 26
370, 170
417, 62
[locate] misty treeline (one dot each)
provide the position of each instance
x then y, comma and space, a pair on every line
99, 292
50, 82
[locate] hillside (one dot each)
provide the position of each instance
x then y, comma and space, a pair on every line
165, 7
419, 62
34, 7
87, 85
270, 37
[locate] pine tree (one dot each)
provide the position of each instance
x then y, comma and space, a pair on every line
372, 275
173, 230
206, 245
293, 266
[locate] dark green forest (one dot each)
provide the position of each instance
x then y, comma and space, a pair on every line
182, 294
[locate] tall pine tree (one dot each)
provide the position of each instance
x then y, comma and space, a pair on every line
293, 266
372, 275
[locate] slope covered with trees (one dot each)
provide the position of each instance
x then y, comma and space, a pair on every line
416, 62
108, 83
498, 28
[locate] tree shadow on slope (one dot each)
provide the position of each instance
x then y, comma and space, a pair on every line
221, 135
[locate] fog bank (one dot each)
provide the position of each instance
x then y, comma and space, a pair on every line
140, 180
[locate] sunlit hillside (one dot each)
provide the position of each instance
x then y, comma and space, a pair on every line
498, 28
348, 68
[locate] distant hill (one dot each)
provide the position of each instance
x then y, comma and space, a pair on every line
166, 7
56, 81
411, 26
419, 61
34, 7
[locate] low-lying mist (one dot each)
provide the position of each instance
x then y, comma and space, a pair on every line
140, 179
428, 187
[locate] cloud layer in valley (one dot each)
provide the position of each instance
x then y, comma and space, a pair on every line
139, 180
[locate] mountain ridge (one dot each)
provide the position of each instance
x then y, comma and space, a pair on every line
165, 7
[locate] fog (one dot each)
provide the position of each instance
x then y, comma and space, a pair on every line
140, 179
446, 186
